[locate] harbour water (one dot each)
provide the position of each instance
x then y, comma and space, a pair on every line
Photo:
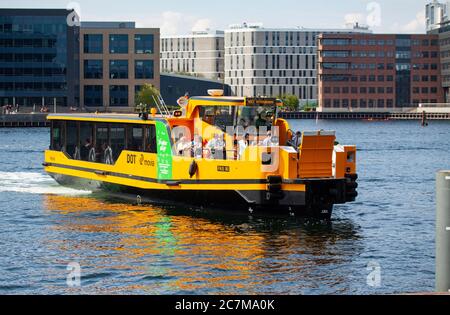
129, 249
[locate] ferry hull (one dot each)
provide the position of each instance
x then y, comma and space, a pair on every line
316, 201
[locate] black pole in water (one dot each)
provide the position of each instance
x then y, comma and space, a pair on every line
424, 119
443, 231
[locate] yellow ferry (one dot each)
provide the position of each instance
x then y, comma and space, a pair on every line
216, 151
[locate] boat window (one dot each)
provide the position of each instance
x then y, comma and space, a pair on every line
117, 140
72, 145
101, 142
261, 116
86, 140
58, 136
219, 116
150, 139
135, 141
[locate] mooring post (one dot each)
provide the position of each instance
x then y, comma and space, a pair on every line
443, 232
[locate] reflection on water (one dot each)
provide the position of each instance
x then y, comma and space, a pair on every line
144, 249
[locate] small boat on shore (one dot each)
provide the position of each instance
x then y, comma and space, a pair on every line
216, 151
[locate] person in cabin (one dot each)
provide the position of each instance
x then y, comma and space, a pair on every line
216, 146
296, 140
84, 152
197, 147
270, 140
243, 144
184, 147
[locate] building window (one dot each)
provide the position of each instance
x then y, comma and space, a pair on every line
143, 44
144, 69
118, 44
118, 69
118, 95
93, 43
93, 69
93, 95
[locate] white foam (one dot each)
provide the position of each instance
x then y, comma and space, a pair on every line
34, 183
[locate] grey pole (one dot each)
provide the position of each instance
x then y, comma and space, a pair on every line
443, 232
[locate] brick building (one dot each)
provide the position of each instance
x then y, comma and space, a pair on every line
378, 72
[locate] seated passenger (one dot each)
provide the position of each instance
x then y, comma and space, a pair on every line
197, 147
85, 150
107, 154
270, 140
216, 146
243, 144
184, 147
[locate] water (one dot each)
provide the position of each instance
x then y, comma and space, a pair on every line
126, 249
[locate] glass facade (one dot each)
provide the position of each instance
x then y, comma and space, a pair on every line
144, 69
118, 44
118, 95
38, 63
93, 69
93, 95
93, 43
118, 69
403, 71
143, 44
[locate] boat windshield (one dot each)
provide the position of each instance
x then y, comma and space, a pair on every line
232, 116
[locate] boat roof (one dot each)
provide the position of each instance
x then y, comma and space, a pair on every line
120, 118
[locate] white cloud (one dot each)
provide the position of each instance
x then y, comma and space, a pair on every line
175, 23
202, 25
416, 25
353, 18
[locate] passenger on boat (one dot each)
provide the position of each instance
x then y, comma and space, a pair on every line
216, 147
184, 147
243, 145
197, 147
296, 140
270, 140
85, 150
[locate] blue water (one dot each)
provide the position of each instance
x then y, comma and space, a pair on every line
126, 249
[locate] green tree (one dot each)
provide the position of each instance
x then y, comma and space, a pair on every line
291, 102
147, 96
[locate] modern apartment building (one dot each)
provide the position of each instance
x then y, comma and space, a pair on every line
436, 13
116, 59
367, 72
38, 58
198, 54
272, 62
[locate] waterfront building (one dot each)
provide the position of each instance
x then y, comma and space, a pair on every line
173, 86
116, 60
38, 58
271, 62
367, 72
436, 13
199, 54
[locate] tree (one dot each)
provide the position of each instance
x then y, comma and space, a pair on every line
147, 96
291, 102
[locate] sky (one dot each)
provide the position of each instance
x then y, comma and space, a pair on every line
184, 16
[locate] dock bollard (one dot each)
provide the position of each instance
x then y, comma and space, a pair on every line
443, 232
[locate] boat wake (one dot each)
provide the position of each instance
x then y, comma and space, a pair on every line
34, 183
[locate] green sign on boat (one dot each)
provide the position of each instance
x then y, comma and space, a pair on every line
164, 152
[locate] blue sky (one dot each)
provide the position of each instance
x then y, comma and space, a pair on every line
182, 16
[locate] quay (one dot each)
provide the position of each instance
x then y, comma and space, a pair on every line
364, 116
22, 120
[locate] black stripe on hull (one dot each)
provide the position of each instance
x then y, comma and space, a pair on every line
232, 200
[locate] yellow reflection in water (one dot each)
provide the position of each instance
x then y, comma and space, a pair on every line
201, 253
